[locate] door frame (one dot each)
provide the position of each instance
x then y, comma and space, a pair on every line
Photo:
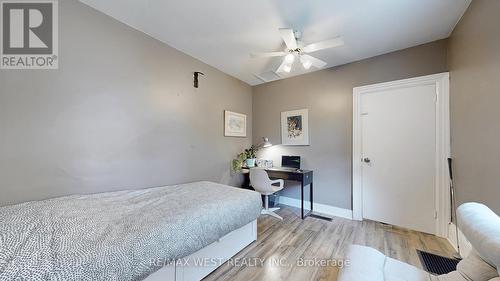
442, 184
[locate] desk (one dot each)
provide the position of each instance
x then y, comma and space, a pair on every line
305, 177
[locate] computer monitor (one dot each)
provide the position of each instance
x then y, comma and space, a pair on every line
290, 162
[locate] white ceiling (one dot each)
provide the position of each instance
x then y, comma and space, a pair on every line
223, 33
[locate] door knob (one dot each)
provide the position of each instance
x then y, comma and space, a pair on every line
367, 160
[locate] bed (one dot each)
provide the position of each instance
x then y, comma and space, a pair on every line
127, 235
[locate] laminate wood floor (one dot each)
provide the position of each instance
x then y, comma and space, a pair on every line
284, 247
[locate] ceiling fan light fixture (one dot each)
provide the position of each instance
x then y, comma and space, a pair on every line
289, 58
287, 68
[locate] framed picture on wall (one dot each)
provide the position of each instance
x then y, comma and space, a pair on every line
295, 127
235, 124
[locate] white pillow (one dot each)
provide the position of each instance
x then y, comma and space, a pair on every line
481, 226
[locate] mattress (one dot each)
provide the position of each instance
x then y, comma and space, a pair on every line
124, 235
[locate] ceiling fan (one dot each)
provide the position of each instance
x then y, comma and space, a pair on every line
295, 49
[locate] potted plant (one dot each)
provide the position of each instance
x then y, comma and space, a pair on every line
237, 163
246, 158
250, 154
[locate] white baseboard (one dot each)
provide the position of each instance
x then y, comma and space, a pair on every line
318, 208
465, 246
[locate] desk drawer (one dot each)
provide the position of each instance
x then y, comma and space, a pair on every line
285, 175
305, 177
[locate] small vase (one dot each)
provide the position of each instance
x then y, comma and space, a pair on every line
250, 163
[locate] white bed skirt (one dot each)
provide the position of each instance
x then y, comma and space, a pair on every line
200, 264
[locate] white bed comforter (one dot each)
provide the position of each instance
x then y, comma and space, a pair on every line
123, 235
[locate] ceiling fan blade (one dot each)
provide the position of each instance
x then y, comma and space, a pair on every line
289, 38
330, 43
268, 55
282, 67
315, 62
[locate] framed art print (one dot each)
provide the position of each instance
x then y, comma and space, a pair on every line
295, 127
235, 124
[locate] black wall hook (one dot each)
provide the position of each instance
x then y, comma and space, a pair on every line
196, 78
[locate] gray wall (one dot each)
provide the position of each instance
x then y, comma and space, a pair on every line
120, 113
328, 96
474, 62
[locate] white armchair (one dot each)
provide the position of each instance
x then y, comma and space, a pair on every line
479, 225
261, 182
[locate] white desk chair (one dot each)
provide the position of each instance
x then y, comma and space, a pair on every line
261, 182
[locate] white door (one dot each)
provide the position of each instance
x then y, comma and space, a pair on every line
398, 139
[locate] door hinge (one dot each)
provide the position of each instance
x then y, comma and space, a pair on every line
435, 215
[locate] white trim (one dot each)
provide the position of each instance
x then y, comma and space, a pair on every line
465, 246
318, 208
442, 205
357, 194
